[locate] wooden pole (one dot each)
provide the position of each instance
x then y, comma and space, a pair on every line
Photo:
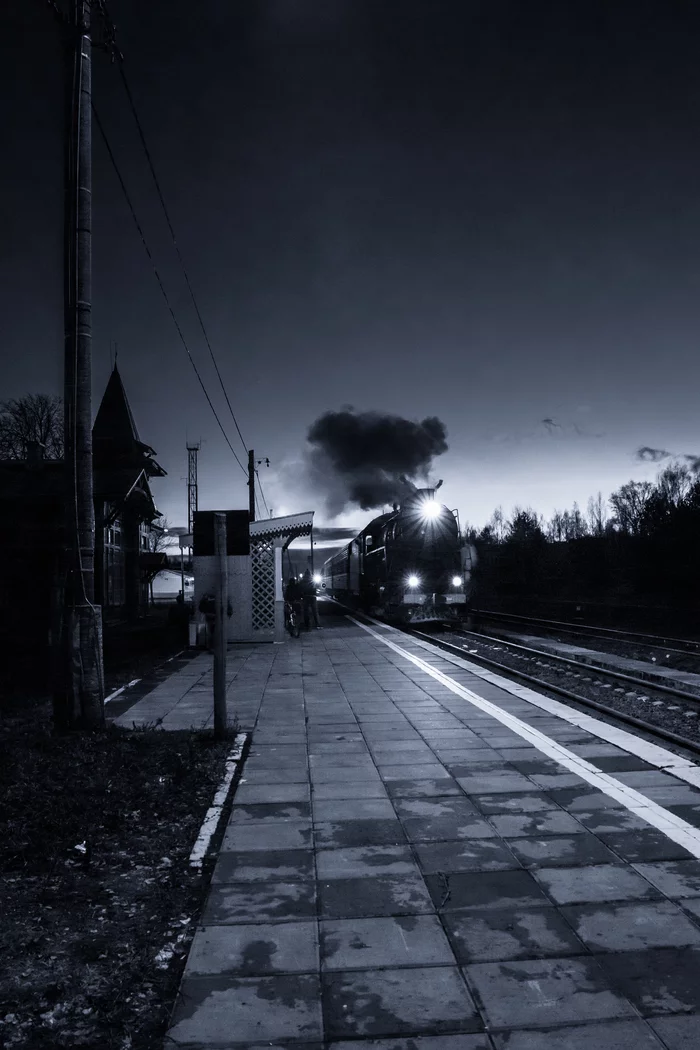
79, 692
251, 485
221, 623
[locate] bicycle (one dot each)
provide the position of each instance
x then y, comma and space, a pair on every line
291, 620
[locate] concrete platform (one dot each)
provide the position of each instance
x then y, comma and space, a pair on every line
425, 856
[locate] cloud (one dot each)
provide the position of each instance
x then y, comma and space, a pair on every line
647, 454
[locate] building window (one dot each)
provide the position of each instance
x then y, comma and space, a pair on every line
114, 566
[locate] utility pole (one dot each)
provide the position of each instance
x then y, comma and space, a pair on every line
221, 609
251, 485
79, 690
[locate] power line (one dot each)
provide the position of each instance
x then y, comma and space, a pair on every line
147, 152
160, 282
262, 494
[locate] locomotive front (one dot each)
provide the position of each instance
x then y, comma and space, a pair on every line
425, 577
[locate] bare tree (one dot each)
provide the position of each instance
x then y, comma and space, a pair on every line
158, 537
32, 418
576, 524
629, 504
597, 516
674, 483
158, 544
555, 527
497, 525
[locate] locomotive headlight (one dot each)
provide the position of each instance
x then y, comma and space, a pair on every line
413, 581
456, 581
430, 509
317, 577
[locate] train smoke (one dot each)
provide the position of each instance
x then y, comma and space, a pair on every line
365, 458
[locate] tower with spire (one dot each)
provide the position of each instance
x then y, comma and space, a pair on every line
125, 511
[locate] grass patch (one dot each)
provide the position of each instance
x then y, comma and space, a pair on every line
99, 903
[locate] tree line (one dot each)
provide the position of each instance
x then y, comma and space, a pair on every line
638, 547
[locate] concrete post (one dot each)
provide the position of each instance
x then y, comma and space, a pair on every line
221, 621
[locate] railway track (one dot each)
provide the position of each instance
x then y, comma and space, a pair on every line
628, 708
666, 644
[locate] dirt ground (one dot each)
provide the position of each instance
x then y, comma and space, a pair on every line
97, 899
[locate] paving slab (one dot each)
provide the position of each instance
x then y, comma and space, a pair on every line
350, 790
255, 950
543, 822
494, 890
407, 940
544, 992
291, 835
353, 809
561, 850
675, 878
486, 854
264, 866
348, 833
677, 1033
661, 981
608, 1035
271, 813
646, 844
259, 902
519, 804
236, 1012
517, 933
364, 861
418, 1000
630, 927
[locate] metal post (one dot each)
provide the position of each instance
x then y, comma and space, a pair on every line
79, 694
251, 485
221, 624
182, 572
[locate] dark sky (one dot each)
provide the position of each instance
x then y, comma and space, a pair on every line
488, 212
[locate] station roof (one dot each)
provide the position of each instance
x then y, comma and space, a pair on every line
288, 528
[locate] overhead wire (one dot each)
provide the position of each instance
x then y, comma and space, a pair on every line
139, 126
122, 184
262, 494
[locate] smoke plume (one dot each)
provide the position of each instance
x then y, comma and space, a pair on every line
364, 458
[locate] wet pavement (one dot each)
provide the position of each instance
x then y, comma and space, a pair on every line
422, 856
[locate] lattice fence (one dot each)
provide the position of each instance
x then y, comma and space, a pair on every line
263, 584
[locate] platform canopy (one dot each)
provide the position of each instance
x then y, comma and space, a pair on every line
288, 528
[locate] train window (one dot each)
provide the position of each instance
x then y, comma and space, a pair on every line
368, 542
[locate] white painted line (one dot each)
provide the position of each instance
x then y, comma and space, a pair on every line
118, 692
213, 814
675, 828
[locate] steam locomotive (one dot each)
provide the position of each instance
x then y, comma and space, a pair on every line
407, 565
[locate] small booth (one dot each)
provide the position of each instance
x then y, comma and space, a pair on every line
255, 586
